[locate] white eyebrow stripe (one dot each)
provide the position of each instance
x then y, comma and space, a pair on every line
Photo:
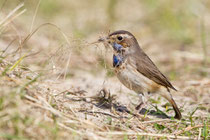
123, 35
126, 35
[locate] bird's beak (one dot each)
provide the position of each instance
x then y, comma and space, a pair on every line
103, 39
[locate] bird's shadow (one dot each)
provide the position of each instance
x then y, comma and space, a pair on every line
106, 101
121, 108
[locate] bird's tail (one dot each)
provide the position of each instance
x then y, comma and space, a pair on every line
169, 97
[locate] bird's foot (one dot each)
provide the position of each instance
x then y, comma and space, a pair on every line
140, 116
140, 106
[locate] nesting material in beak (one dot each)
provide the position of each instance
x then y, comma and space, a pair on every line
104, 40
101, 40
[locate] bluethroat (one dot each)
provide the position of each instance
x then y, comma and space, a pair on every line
136, 71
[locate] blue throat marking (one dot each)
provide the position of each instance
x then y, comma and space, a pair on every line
117, 60
117, 47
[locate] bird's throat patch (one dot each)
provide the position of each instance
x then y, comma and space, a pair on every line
117, 60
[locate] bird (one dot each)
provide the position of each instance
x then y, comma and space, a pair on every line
136, 71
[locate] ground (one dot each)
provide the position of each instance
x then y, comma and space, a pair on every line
57, 84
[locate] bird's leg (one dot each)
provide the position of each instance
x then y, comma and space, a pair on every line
142, 103
140, 106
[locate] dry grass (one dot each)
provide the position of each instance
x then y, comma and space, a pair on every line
57, 86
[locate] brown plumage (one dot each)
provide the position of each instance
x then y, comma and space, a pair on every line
137, 71
146, 67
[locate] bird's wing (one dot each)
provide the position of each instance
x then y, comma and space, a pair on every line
145, 66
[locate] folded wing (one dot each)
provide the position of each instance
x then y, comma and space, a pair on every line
146, 67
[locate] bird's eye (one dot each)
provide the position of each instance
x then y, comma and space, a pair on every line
119, 38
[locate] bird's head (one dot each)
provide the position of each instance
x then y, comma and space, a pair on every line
120, 40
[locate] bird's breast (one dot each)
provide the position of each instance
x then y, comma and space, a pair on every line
132, 79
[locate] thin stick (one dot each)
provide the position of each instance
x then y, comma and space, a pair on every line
75, 120
4, 21
67, 65
144, 134
17, 15
35, 30
188, 129
8, 46
34, 17
199, 136
161, 120
103, 113
68, 128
